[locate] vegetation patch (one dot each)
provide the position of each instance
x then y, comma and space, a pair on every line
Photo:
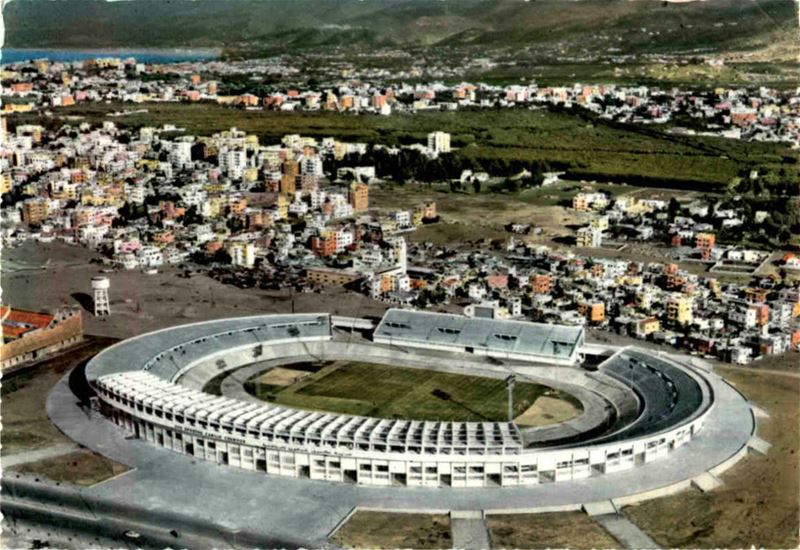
498, 141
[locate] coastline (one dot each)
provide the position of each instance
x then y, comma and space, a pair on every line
9, 54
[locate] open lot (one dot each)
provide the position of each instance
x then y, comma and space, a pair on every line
45, 276
572, 140
398, 392
26, 426
81, 468
759, 504
554, 530
467, 217
388, 530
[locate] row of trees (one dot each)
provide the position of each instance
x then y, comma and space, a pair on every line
410, 164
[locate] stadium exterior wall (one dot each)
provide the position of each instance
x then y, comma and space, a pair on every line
529, 467
473, 468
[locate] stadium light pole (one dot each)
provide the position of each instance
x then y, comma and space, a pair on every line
510, 381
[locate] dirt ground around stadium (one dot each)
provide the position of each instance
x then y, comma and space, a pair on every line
759, 503
47, 276
81, 468
27, 428
555, 530
388, 530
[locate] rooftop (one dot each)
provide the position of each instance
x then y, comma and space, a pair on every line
18, 322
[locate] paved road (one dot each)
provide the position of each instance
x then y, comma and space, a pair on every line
40, 454
469, 530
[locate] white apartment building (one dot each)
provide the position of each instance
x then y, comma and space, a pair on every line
181, 153
150, 256
233, 162
439, 142
311, 165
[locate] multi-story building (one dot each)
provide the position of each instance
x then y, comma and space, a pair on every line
679, 309
595, 312
290, 169
705, 243
6, 183
439, 142
589, 237
324, 244
35, 211
359, 197
541, 283
242, 254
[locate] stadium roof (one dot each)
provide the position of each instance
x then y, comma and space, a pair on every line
517, 337
165, 352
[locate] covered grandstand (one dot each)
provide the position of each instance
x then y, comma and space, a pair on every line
538, 342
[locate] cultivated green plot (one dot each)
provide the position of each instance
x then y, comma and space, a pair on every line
397, 392
490, 139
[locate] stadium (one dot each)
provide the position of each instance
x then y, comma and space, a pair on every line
635, 406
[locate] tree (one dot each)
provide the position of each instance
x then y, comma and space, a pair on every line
193, 216
673, 209
476, 186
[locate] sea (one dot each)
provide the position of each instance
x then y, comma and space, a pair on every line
16, 55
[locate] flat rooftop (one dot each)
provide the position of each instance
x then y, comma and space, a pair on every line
519, 337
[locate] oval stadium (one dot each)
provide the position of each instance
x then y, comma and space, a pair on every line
630, 406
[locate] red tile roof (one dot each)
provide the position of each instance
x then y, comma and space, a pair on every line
17, 322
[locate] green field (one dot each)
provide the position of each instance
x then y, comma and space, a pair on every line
397, 392
574, 141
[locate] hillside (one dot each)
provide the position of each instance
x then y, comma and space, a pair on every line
538, 28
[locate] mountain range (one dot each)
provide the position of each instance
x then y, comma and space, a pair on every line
569, 27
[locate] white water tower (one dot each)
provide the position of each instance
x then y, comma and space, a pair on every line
100, 287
